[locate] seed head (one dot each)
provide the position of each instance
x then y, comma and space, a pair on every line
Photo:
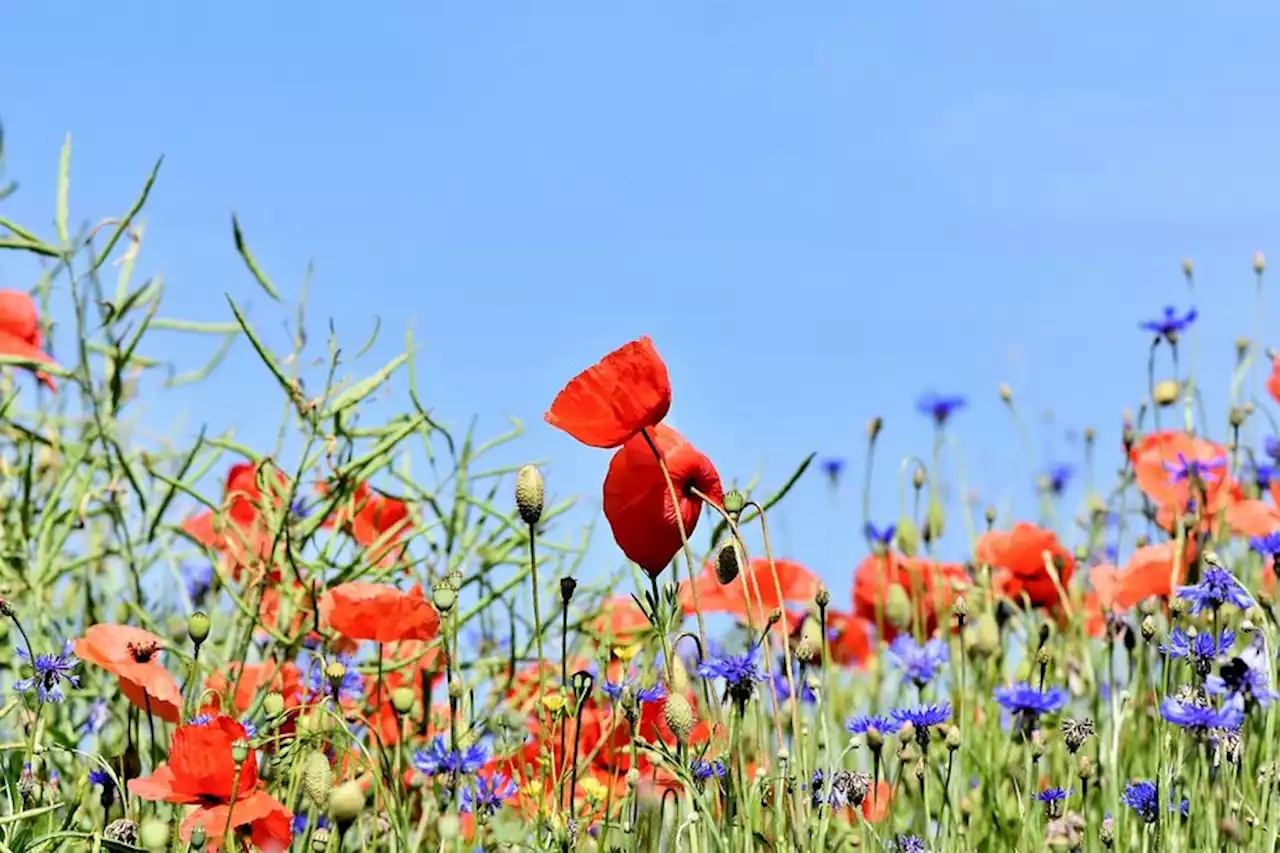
273, 704
123, 830
530, 494
443, 596
239, 750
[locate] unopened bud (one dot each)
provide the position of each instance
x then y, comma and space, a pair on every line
1188, 268
568, 585
198, 626
734, 501
1148, 627
678, 714
273, 704
1006, 393
775, 616
402, 700
346, 802
154, 834
530, 494
897, 607
874, 426
1165, 392
823, 598
335, 672
1259, 263
918, 477
728, 561
317, 778
953, 738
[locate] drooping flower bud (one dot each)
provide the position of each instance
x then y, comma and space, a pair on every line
728, 561
531, 491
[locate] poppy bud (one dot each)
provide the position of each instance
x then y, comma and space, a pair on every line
317, 778
679, 716
935, 522
154, 834
953, 738
728, 561
897, 607
823, 598
984, 637
907, 537
402, 700
198, 838
677, 675
346, 802
239, 750
1165, 392
918, 477
1259, 263
874, 426
530, 494
273, 704
1006, 393
198, 626
568, 585
734, 501
443, 596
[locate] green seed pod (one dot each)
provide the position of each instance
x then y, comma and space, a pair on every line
198, 626
154, 835
402, 700
273, 704
734, 501
346, 802
317, 778
198, 837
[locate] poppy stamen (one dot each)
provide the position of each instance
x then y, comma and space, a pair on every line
142, 652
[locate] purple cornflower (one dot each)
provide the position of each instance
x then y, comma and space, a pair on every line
1026, 703
200, 720
940, 407
1057, 477
1267, 546
250, 728
1170, 325
1198, 719
437, 758
833, 467
702, 770
1262, 475
198, 578
1144, 798
1201, 650
486, 796
863, 723
98, 776
1196, 470
652, 693
741, 674
920, 664
48, 674
922, 718
300, 823
907, 844
1243, 685
882, 536
1272, 447
1216, 588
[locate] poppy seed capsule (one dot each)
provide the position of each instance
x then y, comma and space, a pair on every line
273, 704
1165, 392
239, 750
198, 837
198, 627
728, 562
530, 494
679, 717
734, 501
402, 700
443, 596
346, 802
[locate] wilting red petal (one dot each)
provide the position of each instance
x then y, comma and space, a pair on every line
637, 501
611, 401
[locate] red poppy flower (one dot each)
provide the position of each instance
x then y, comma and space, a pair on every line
1253, 518
1273, 381
378, 612
930, 587
20, 332
1018, 556
240, 532
130, 654
637, 502
798, 585
370, 518
201, 772
284, 679
849, 640
611, 401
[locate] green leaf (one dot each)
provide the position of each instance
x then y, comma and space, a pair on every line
365, 387
265, 354
64, 192
124, 223
22, 244
175, 325
251, 262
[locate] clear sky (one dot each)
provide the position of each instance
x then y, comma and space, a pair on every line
817, 210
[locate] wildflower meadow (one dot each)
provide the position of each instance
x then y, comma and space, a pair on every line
344, 650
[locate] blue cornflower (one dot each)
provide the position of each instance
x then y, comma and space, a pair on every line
652, 693
741, 673
1262, 475
99, 714
833, 466
437, 758
919, 663
1216, 588
1198, 719
1272, 447
862, 723
1201, 650
940, 407
299, 509
1243, 685
1267, 546
100, 777
1053, 799
1056, 478
1170, 324
49, 672
351, 687
702, 770
198, 578
250, 728
300, 823
1198, 470
1144, 798
907, 844
1027, 703
200, 720
922, 718
486, 795
882, 536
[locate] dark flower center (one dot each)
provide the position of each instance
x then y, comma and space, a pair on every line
143, 652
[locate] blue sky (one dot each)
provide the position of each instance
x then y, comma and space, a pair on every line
817, 211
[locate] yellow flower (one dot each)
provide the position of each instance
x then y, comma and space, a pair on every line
553, 702
626, 653
593, 789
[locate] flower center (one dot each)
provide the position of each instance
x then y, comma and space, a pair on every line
142, 652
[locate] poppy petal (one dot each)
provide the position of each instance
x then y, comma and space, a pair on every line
609, 402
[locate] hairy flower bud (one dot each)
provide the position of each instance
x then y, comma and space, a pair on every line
273, 704
530, 494
728, 561
317, 778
